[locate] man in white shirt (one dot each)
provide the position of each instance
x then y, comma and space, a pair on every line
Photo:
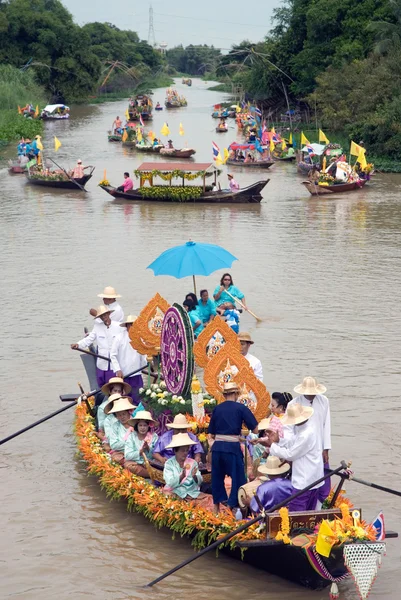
125, 359
246, 343
304, 451
109, 296
103, 333
311, 395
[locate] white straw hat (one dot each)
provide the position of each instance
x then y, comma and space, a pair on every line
310, 387
122, 403
142, 415
109, 404
180, 422
296, 414
230, 387
274, 466
129, 320
181, 439
126, 386
109, 292
102, 310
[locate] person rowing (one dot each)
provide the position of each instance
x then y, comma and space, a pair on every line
223, 300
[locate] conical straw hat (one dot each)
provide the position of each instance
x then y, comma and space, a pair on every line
296, 414
122, 403
107, 386
181, 439
109, 292
180, 422
102, 310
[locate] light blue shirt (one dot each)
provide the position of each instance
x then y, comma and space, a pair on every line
189, 487
133, 446
234, 291
207, 310
194, 317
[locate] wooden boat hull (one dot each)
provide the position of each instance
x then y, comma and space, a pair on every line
171, 105
61, 185
149, 150
262, 164
115, 138
16, 169
159, 108
285, 159
218, 130
54, 118
319, 190
250, 194
178, 153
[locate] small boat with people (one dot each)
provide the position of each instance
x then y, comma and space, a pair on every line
222, 127
55, 112
205, 193
319, 189
174, 100
149, 148
140, 107
249, 155
158, 106
255, 164
177, 153
59, 178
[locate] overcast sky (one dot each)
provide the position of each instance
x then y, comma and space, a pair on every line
182, 21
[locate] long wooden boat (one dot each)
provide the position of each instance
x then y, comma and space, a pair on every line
285, 158
337, 188
260, 164
222, 129
62, 184
168, 104
175, 153
115, 137
149, 149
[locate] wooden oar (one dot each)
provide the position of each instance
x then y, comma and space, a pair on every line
373, 485
227, 537
69, 177
243, 306
92, 354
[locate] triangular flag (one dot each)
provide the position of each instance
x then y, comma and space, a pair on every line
283, 145
323, 137
39, 143
57, 143
326, 538
355, 149
165, 130
19, 110
37, 111
271, 145
127, 114
139, 136
378, 524
226, 156
304, 140
218, 160
182, 132
125, 136
273, 130
362, 159
290, 139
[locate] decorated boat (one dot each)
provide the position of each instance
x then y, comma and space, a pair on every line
314, 549
177, 153
257, 164
319, 189
149, 148
187, 81
114, 137
58, 179
222, 128
140, 107
147, 172
174, 100
56, 112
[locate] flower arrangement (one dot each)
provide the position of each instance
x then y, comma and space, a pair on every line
325, 179
104, 182
348, 528
282, 535
174, 174
369, 168
159, 400
180, 516
341, 499
174, 193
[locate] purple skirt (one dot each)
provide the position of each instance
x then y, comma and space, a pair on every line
103, 376
306, 501
135, 382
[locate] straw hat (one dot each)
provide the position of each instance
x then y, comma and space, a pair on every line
109, 292
230, 387
230, 176
107, 386
79, 161
122, 403
109, 404
296, 414
129, 320
180, 422
264, 424
244, 336
274, 466
142, 415
181, 439
310, 387
102, 310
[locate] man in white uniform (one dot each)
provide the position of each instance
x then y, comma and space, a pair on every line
103, 333
246, 343
311, 395
304, 451
109, 296
125, 359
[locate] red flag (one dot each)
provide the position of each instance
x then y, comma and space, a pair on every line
217, 106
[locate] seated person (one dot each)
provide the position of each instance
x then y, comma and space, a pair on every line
127, 185
206, 307
276, 489
115, 385
194, 317
141, 441
120, 429
162, 452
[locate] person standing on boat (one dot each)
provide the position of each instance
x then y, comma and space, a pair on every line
117, 124
303, 449
180, 425
109, 297
125, 359
103, 333
206, 308
227, 458
223, 300
127, 185
234, 185
78, 171
311, 394
276, 489
246, 342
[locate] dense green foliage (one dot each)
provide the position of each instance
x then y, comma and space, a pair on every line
193, 60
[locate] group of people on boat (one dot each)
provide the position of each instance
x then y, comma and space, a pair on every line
27, 150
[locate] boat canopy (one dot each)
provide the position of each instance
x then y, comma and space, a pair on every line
188, 168
318, 149
52, 107
236, 146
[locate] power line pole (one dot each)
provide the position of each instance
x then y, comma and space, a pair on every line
151, 33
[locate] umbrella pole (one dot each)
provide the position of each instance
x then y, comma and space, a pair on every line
193, 277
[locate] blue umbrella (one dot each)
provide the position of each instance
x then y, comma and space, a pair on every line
192, 259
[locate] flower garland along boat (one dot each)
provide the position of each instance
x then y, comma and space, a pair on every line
58, 180
184, 193
314, 549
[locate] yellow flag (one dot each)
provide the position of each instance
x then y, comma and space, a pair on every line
325, 539
57, 143
273, 130
19, 109
324, 164
271, 145
226, 155
218, 160
182, 132
139, 136
165, 130
237, 109
39, 143
355, 149
38, 160
323, 138
127, 114
362, 159
37, 111
125, 136
290, 139
283, 145
304, 140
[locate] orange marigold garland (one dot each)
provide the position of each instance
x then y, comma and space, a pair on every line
282, 535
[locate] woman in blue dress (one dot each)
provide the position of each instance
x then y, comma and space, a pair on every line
193, 317
221, 297
206, 308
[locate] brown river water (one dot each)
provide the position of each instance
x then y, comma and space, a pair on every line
322, 272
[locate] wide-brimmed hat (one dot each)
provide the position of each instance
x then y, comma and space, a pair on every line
107, 386
229, 175
296, 413
142, 415
79, 161
244, 336
109, 404
128, 320
122, 403
109, 292
310, 387
274, 466
102, 310
264, 424
230, 387
181, 439
180, 422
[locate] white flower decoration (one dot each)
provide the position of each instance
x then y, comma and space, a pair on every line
148, 392
182, 401
153, 395
163, 385
141, 390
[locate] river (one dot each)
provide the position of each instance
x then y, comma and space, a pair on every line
322, 272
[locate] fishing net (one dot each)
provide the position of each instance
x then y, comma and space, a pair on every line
363, 562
